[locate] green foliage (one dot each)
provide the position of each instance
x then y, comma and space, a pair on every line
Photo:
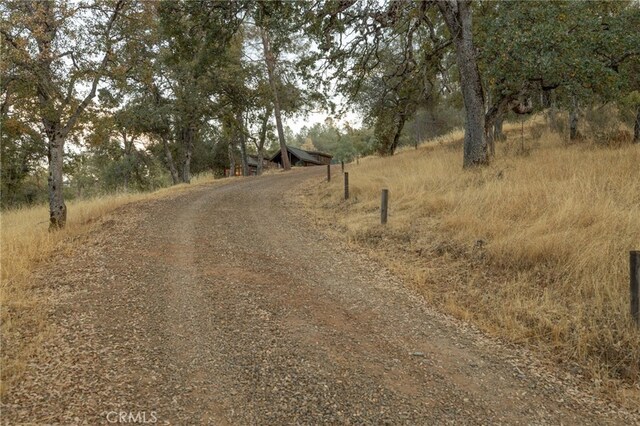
211, 152
185, 80
603, 125
573, 48
386, 57
20, 158
430, 122
344, 144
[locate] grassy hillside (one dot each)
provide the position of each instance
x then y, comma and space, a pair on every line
533, 248
25, 244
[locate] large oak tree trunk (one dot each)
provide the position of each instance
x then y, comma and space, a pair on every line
45, 29
396, 136
457, 15
57, 207
271, 72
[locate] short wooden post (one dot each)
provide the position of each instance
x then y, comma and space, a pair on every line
634, 275
328, 172
342, 164
346, 185
384, 206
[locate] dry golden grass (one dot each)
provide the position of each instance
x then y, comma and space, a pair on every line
25, 242
533, 248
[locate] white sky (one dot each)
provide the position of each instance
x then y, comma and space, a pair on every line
297, 123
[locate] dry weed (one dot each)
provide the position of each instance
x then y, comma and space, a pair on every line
533, 248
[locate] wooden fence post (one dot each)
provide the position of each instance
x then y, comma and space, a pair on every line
384, 206
634, 269
328, 172
346, 185
342, 164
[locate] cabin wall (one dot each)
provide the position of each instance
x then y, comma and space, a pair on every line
322, 159
253, 170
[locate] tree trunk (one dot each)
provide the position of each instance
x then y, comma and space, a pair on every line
127, 153
242, 138
57, 207
271, 72
171, 165
573, 120
46, 26
494, 133
175, 178
232, 160
488, 101
243, 157
396, 137
556, 123
636, 127
260, 167
494, 119
493, 123
187, 138
137, 159
498, 134
490, 138
546, 98
263, 138
457, 14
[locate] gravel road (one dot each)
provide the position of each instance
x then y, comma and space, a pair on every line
223, 305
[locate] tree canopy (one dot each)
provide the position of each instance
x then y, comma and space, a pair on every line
103, 95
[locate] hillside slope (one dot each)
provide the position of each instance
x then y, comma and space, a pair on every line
533, 249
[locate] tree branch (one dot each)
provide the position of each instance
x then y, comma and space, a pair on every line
94, 85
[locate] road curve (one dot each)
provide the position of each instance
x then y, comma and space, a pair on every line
222, 305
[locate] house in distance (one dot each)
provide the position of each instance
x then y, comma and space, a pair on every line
300, 157
252, 166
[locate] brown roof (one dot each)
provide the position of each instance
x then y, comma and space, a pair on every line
303, 155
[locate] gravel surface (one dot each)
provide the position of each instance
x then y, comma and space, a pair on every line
223, 305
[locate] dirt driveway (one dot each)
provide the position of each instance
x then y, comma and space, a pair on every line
222, 305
